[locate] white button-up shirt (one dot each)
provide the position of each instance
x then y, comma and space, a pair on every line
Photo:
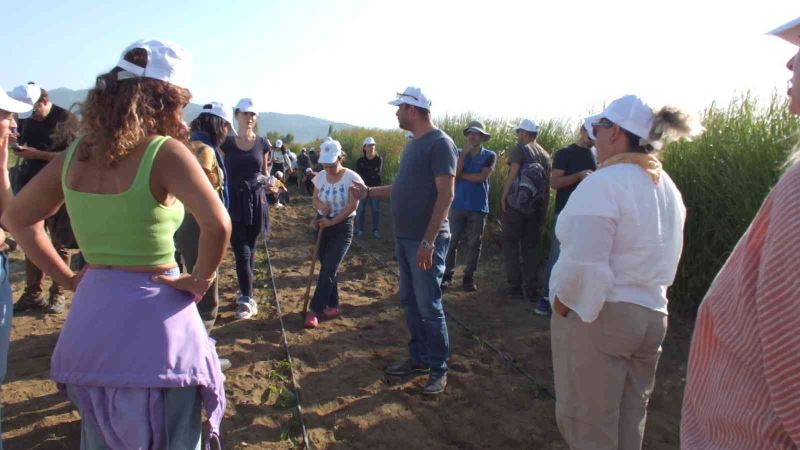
621, 239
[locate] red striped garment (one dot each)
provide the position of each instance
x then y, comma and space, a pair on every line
743, 382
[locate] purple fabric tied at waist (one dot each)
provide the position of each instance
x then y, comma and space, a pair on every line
126, 331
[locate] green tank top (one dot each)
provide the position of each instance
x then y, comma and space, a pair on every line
126, 229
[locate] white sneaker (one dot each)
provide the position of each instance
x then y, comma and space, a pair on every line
279, 205
246, 310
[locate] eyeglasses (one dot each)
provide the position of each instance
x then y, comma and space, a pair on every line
399, 95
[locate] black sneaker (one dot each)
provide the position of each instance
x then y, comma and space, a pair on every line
406, 367
469, 285
56, 304
28, 301
436, 384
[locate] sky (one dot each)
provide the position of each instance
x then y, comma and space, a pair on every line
343, 60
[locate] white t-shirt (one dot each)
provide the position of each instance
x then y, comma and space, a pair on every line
621, 238
336, 195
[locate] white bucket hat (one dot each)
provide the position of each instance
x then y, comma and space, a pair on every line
789, 31
412, 96
527, 125
329, 152
247, 105
166, 61
220, 110
13, 105
368, 141
632, 114
29, 94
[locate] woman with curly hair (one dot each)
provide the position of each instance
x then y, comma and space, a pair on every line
133, 355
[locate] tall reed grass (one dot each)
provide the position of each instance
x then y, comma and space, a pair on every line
724, 175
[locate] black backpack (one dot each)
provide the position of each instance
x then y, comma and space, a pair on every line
530, 190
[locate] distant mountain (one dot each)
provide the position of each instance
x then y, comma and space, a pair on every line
304, 128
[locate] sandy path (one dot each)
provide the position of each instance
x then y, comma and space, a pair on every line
348, 402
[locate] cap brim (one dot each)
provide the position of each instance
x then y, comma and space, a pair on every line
397, 102
13, 105
483, 133
587, 124
789, 31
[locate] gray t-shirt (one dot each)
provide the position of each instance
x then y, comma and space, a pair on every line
414, 187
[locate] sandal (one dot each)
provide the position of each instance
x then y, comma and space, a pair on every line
246, 310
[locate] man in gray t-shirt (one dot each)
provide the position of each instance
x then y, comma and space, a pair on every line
420, 198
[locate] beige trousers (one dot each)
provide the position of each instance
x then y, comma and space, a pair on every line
604, 374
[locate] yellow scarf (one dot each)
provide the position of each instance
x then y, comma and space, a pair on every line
646, 161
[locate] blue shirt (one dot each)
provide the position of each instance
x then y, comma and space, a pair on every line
472, 196
414, 187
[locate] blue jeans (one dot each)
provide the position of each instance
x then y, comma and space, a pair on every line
421, 299
6, 313
361, 218
333, 247
552, 257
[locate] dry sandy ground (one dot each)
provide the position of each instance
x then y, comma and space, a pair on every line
348, 402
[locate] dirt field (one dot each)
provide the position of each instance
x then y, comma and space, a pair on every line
348, 402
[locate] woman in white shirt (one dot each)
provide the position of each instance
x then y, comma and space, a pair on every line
336, 204
621, 237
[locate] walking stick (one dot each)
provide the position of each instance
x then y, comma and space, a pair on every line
314, 253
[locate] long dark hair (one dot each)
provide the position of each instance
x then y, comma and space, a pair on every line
210, 124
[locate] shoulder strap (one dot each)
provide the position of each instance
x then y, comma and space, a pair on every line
142, 179
68, 159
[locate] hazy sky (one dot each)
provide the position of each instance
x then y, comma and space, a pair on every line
342, 60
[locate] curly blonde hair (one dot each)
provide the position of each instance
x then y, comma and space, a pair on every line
119, 114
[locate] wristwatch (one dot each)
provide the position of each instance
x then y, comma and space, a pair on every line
426, 245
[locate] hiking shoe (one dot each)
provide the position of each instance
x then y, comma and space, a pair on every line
246, 308
436, 384
406, 367
28, 301
57, 304
330, 313
543, 307
376, 234
445, 284
311, 320
224, 364
469, 285
511, 291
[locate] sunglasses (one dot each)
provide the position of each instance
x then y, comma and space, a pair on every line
399, 95
596, 125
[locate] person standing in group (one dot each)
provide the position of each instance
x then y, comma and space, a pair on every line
280, 161
36, 150
208, 130
8, 107
420, 198
621, 237
743, 379
470, 205
336, 202
303, 163
247, 158
290, 177
524, 201
571, 165
138, 368
369, 168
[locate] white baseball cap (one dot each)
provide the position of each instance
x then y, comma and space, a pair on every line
329, 152
412, 96
27, 93
220, 110
789, 31
587, 125
527, 125
166, 61
13, 105
278, 174
247, 105
368, 141
278, 143
630, 113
